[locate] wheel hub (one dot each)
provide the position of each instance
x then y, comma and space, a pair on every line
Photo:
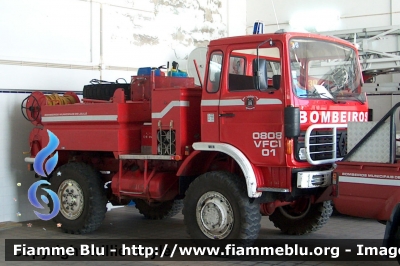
296, 210
214, 215
71, 198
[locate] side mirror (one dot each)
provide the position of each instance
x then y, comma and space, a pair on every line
260, 76
292, 121
276, 81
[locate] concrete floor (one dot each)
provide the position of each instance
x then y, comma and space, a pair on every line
127, 223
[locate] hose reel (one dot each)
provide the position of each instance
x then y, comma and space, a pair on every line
31, 105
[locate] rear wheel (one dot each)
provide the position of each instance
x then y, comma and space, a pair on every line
82, 198
301, 217
159, 210
216, 206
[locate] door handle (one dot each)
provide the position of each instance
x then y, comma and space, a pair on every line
227, 115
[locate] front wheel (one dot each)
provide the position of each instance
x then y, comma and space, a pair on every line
301, 217
82, 198
216, 206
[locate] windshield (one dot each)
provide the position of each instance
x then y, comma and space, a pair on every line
324, 70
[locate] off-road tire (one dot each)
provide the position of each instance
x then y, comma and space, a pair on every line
316, 216
93, 195
246, 217
158, 211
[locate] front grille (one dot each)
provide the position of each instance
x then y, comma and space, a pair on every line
322, 144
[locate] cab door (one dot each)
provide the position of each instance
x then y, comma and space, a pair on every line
210, 98
249, 119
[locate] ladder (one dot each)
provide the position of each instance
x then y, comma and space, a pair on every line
378, 47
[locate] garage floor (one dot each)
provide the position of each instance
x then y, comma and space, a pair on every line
127, 223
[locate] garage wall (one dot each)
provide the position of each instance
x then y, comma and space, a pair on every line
46, 46
353, 14
60, 45
111, 38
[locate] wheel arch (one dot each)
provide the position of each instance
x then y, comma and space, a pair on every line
191, 167
206, 151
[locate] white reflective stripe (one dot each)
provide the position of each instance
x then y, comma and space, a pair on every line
238, 102
369, 181
209, 102
78, 118
264, 101
169, 107
239, 157
234, 102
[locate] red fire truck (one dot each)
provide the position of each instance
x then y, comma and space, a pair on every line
368, 177
259, 137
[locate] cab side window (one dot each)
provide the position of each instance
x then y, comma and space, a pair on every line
214, 72
240, 76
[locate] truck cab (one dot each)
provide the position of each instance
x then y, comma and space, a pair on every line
290, 118
279, 104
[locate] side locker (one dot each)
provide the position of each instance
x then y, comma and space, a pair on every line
175, 115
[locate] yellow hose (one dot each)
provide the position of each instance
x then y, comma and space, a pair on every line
55, 99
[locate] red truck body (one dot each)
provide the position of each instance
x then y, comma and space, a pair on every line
369, 175
368, 190
248, 128
368, 178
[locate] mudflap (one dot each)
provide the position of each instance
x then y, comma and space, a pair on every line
392, 229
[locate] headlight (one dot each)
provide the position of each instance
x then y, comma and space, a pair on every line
302, 154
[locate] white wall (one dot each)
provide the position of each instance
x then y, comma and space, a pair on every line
60, 45
13, 141
237, 19
353, 14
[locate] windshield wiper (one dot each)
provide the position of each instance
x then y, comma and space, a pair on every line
308, 93
316, 93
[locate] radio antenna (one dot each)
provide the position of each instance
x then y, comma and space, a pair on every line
276, 18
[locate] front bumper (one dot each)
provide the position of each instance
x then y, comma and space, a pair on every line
313, 179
